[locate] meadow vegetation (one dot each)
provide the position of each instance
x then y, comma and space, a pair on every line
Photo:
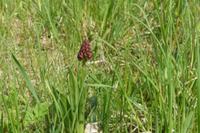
142, 77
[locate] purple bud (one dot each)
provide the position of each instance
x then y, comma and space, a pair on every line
85, 51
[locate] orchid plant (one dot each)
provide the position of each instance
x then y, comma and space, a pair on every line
73, 103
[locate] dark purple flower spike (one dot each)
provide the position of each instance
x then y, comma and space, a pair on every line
85, 51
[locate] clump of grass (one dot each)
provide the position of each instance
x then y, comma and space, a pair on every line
144, 74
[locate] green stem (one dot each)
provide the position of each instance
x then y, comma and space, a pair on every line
83, 94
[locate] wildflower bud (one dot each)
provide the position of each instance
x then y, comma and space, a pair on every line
85, 51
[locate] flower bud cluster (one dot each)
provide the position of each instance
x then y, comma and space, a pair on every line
85, 51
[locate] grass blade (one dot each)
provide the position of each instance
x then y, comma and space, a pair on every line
27, 80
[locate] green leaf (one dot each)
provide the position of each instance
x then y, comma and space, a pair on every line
199, 26
73, 89
27, 80
137, 105
1, 127
99, 85
187, 123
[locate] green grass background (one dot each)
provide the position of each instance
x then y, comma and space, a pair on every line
143, 76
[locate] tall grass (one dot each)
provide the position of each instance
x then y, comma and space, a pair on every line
143, 76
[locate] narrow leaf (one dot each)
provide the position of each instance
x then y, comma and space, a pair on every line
99, 85
27, 80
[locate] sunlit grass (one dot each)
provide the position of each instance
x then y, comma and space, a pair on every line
143, 75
